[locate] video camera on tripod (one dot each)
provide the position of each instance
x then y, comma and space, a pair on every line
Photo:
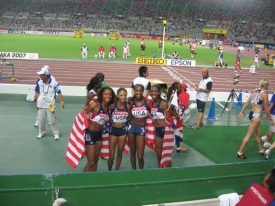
232, 95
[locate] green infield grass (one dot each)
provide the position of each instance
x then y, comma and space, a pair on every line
69, 48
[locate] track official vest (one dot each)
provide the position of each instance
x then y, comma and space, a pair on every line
256, 195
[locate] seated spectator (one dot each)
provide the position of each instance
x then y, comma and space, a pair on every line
260, 194
101, 52
175, 55
112, 52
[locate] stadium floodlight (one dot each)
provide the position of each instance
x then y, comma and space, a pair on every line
164, 23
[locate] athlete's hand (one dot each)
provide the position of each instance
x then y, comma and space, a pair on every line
240, 115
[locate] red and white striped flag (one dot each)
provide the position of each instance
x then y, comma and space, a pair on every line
105, 142
127, 146
104, 152
168, 145
76, 145
150, 133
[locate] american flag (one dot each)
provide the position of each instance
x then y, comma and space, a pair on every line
168, 145
172, 128
105, 140
76, 145
177, 124
150, 133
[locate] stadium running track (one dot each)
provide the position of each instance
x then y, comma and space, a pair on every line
121, 74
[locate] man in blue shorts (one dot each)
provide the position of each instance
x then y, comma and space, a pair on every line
203, 91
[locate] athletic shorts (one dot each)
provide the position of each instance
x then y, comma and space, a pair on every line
114, 131
136, 130
252, 115
272, 127
200, 105
92, 137
142, 48
159, 132
178, 139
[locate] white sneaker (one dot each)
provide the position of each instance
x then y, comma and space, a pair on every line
266, 144
36, 124
264, 138
267, 152
40, 135
56, 136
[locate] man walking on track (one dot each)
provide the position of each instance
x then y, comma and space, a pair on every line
203, 91
84, 51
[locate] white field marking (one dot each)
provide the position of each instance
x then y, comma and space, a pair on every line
222, 106
168, 68
176, 74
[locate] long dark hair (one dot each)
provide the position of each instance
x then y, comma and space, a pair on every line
94, 81
171, 90
159, 89
271, 181
100, 95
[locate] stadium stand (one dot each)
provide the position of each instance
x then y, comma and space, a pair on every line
243, 19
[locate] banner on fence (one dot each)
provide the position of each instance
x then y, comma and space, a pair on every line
152, 61
34, 32
138, 36
18, 55
181, 62
3, 31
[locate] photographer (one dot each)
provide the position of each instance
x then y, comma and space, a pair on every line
175, 55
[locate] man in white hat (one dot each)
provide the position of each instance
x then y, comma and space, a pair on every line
37, 94
84, 51
47, 88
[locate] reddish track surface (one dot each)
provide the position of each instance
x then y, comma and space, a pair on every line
78, 73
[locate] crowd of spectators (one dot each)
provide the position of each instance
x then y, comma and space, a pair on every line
256, 32
246, 19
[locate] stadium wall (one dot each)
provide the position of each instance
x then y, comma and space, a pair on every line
134, 187
81, 91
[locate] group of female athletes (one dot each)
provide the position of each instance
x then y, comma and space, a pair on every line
125, 120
